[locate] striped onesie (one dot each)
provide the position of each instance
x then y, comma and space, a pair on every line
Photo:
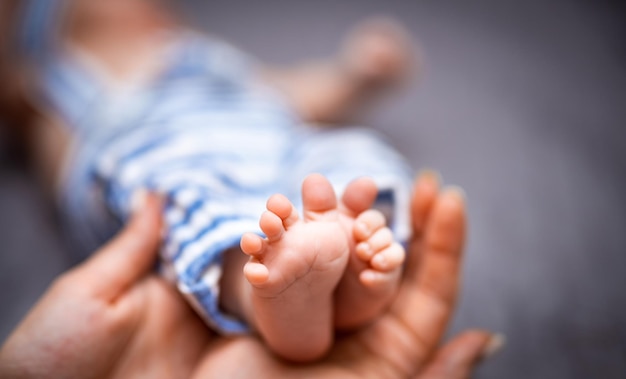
205, 134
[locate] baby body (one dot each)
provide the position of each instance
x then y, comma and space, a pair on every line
218, 145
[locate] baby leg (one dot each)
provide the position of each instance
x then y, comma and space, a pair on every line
293, 272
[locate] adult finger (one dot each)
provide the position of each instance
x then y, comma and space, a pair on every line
428, 293
458, 358
125, 259
425, 191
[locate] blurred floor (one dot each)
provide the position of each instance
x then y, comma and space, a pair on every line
523, 104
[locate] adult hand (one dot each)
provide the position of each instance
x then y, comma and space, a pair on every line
109, 317
404, 343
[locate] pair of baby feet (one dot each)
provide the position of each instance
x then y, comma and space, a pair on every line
336, 267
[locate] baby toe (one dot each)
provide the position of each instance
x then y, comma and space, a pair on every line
376, 279
251, 244
380, 239
283, 208
367, 223
318, 196
377, 241
272, 225
255, 272
359, 195
389, 258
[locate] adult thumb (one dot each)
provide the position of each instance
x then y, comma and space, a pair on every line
129, 256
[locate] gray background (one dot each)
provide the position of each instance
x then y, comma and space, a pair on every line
523, 104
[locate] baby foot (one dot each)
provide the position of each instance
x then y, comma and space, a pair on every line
293, 272
373, 272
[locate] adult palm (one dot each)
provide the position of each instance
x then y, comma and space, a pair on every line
109, 317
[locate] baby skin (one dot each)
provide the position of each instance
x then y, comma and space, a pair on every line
336, 267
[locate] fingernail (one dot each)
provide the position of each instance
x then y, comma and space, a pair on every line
460, 192
138, 200
434, 174
496, 343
